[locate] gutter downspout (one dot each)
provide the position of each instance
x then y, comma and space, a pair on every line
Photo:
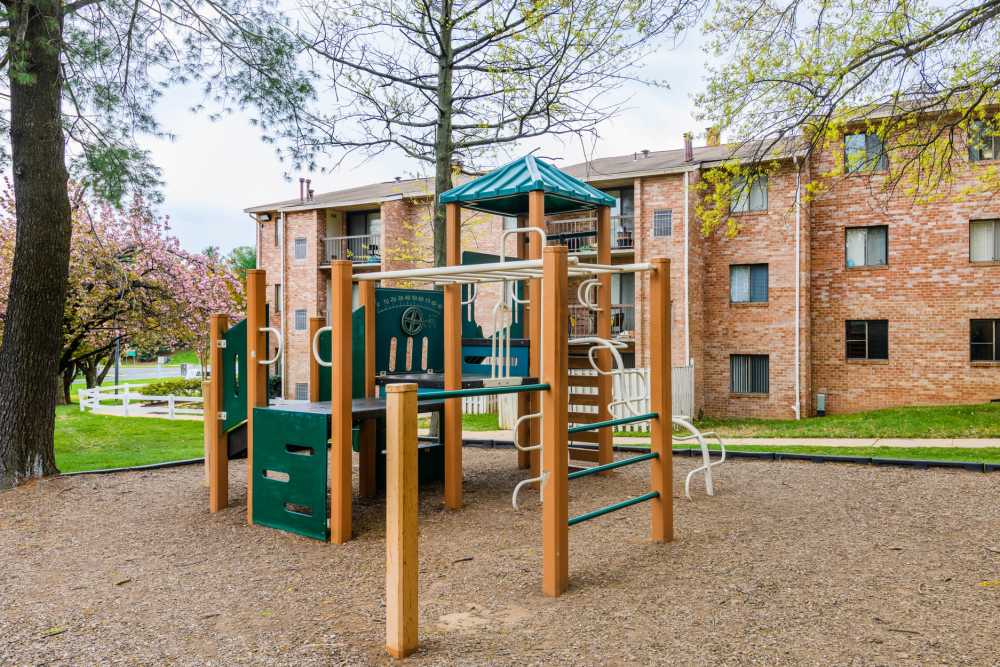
687, 301
283, 304
798, 279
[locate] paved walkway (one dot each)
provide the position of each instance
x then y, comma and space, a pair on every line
801, 442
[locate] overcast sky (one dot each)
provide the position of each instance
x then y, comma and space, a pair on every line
213, 170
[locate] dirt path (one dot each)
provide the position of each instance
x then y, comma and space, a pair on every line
792, 563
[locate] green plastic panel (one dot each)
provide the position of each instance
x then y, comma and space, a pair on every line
473, 329
234, 374
290, 471
357, 358
405, 315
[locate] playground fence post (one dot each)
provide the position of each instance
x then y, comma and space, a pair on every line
402, 526
366, 439
256, 381
661, 470
218, 449
555, 452
453, 365
605, 436
340, 406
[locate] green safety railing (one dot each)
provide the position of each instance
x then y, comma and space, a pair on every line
593, 470
613, 508
613, 422
483, 391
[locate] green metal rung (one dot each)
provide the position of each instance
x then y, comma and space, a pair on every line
593, 470
482, 391
613, 508
613, 422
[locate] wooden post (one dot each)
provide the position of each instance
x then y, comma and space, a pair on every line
366, 442
256, 381
524, 400
661, 471
401, 525
340, 403
536, 218
605, 389
315, 324
453, 365
218, 447
555, 451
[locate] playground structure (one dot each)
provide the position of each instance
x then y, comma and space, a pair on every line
427, 356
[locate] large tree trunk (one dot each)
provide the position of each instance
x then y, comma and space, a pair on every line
443, 146
32, 338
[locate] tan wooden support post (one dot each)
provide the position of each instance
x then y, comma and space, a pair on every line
605, 389
453, 364
340, 403
401, 525
523, 400
366, 444
555, 450
661, 471
218, 441
315, 324
536, 218
256, 381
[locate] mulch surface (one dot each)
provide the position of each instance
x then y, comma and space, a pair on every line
790, 563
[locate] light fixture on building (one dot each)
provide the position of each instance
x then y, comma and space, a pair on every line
264, 217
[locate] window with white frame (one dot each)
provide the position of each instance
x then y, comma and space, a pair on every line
749, 373
984, 241
864, 151
301, 247
663, 222
301, 320
748, 283
984, 340
749, 194
866, 246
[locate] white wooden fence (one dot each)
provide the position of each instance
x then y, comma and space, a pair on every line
124, 400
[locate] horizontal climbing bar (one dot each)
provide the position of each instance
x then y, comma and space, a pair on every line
583, 428
593, 470
614, 508
483, 391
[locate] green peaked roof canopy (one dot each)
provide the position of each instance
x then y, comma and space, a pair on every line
504, 191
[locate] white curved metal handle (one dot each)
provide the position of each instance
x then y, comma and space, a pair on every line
517, 423
281, 346
315, 347
519, 230
583, 294
524, 482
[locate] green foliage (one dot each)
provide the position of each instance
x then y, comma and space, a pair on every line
175, 386
241, 259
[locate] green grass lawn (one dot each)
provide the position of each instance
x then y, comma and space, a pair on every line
86, 441
184, 357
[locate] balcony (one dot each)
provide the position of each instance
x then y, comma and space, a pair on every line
580, 235
360, 249
583, 321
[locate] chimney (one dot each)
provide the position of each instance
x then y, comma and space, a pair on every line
645, 152
302, 189
688, 147
309, 190
712, 136
399, 178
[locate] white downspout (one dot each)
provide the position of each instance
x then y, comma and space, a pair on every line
687, 302
283, 304
798, 278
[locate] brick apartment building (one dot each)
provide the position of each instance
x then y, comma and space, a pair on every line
865, 302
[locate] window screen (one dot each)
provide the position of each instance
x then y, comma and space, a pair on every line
663, 222
749, 194
867, 246
301, 391
748, 373
984, 340
984, 241
864, 152
300, 247
301, 323
867, 339
748, 283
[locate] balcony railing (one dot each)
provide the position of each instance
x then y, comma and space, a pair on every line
583, 321
360, 249
580, 234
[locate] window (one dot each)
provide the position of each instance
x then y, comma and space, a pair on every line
984, 241
277, 298
749, 194
663, 222
277, 236
867, 246
748, 283
361, 223
867, 339
984, 340
864, 152
301, 247
748, 373
509, 222
984, 142
301, 323
301, 391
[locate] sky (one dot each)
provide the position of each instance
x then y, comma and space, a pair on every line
212, 170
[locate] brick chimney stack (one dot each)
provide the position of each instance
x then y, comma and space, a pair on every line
712, 135
302, 189
309, 190
688, 147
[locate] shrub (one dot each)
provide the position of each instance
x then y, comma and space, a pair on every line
175, 386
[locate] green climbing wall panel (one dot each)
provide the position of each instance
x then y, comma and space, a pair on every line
357, 358
234, 374
290, 471
408, 315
